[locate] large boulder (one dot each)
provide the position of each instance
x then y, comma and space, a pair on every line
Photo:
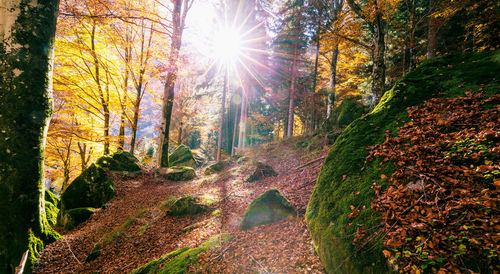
93, 188
349, 110
177, 173
261, 171
186, 205
268, 208
72, 217
120, 161
214, 168
340, 205
182, 156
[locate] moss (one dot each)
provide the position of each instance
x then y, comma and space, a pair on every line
94, 253
182, 156
186, 205
51, 212
345, 173
36, 246
52, 198
219, 166
261, 171
73, 217
348, 111
93, 188
180, 260
180, 173
269, 207
120, 161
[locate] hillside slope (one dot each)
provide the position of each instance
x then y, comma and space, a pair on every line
340, 208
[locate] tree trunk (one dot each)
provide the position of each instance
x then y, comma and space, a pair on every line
291, 102
243, 121
332, 82
235, 128
413, 25
121, 133
222, 112
432, 32
169, 88
27, 33
179, 138
378, 73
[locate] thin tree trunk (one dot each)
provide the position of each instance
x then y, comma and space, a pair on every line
315, 80
378, 73
291, 102
413, 25
222, 112
432, 32
235, 129
179, 138
25, 109
169, 88
332, 81
243, 121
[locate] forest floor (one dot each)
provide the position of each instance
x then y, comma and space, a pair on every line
133, 229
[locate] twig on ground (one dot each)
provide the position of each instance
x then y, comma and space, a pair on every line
72, 251
304, 185
308, 163
260, 265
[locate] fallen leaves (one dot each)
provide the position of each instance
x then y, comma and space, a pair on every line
444, 192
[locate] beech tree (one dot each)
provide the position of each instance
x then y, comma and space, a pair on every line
27, 32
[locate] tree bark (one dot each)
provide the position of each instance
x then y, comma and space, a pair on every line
235, 128
169, 88
26, 50
432, 32
378, 73
243, 121
222, 112
291, 101
332, 82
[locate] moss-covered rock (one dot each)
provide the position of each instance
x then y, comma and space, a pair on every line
268, 208
177, 173
120, 161
182, 156
349, 110
345, 179
94, 253
51, 212
243, 160
261, 171
186, 205
52, 198
72, 217
214, 168
179, 261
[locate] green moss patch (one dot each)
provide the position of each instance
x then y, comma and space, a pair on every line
268, 208
73, 217
180, 260
178, 173
52, 198
219, 166
120, 161
261, 171
51, 212
182, 156
186, 205
345, 179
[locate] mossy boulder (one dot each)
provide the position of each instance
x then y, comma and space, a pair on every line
261, 171
51, 212
349, 110
73, 217
186, 205
214, 168
268, 208
345, 179
120, 161
52, 198
93, 188
177, 173
182, 156
179, 261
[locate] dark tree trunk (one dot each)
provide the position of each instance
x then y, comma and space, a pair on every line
378, 73
222, 112
432, 32
332, 82
25, 108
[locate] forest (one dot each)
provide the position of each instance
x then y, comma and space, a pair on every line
243, 136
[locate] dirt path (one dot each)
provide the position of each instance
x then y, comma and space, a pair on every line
135, 230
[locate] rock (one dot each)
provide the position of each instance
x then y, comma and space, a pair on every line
71, 218
261, 171
186, 205
182, 156
51, 212
92, 189
219, 166
176, 173
345, 171
120, 161
242, 160
179, 261
349, 110
52, 198
268, 208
